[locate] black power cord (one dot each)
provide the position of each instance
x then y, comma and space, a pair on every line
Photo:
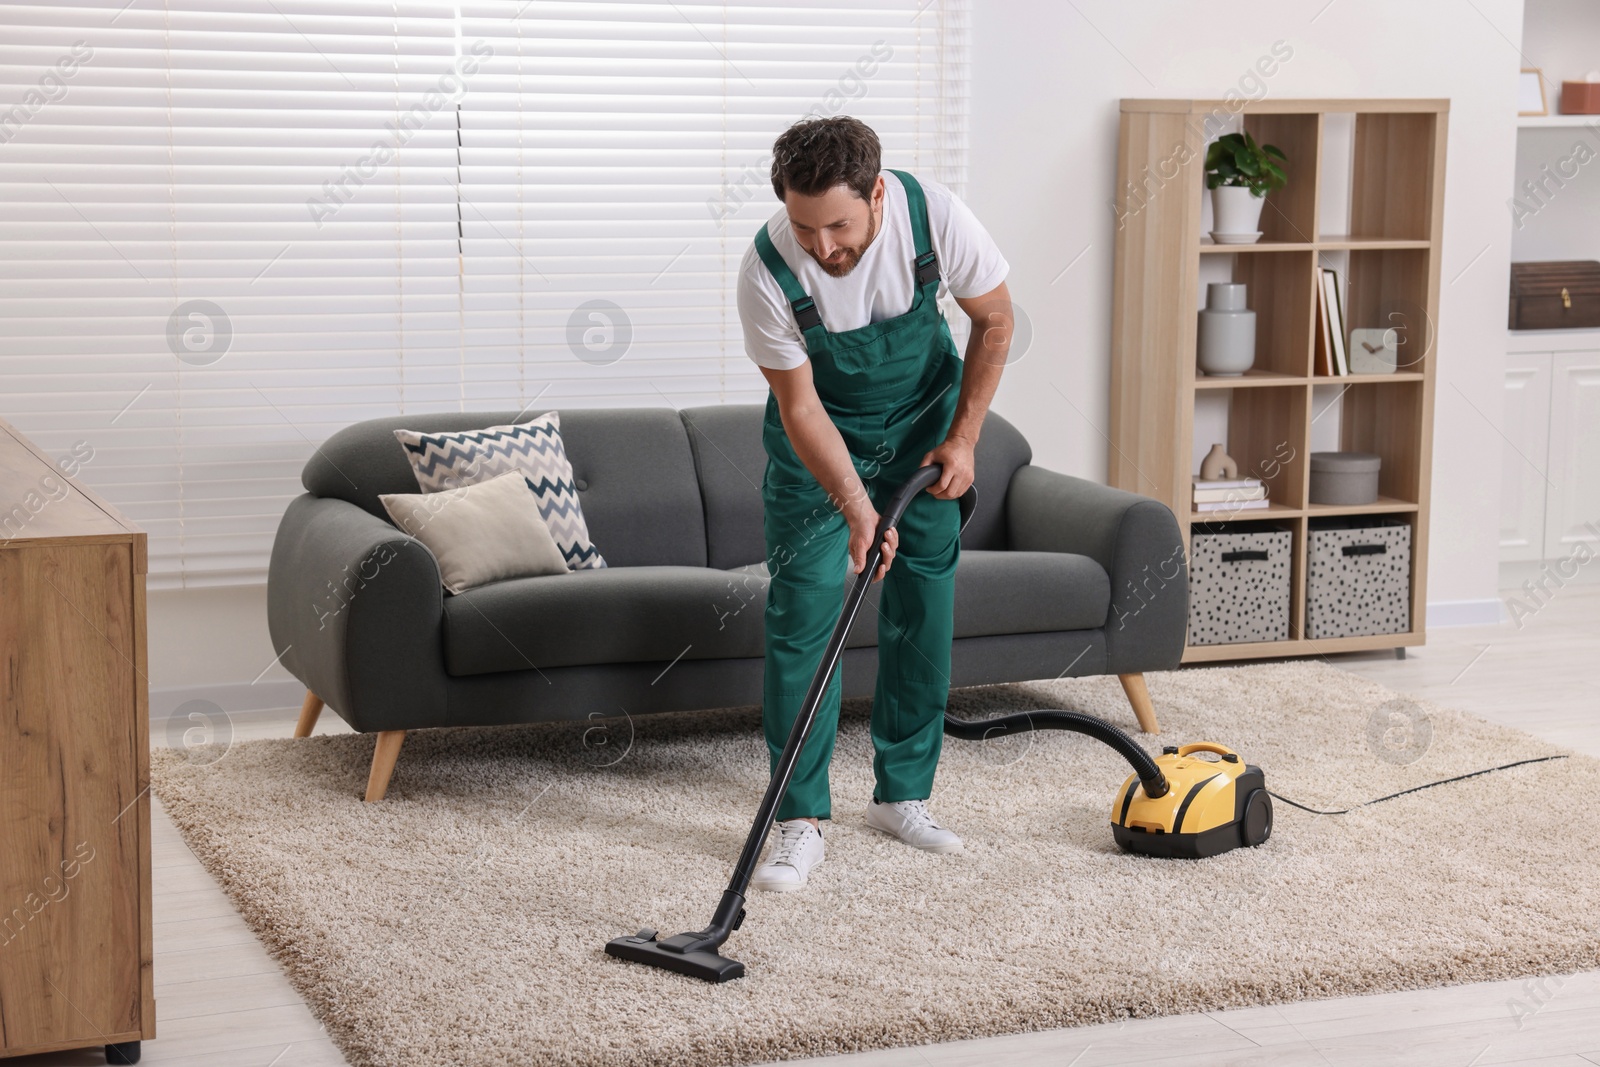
1413, 789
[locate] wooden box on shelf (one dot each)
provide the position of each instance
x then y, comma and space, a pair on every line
1391, 276
75, 921
1562, 294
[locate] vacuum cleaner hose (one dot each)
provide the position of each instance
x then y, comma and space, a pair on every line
1150, 776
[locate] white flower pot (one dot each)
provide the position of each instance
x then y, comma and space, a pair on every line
1235, 215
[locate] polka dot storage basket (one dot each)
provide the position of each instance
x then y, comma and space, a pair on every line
1239, 583
1358, 578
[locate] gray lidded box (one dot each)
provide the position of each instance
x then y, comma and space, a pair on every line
1344, 477
1238, 583
1358, 578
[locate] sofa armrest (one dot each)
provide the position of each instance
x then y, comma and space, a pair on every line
355, 609
1134, 538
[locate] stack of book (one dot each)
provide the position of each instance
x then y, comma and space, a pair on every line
1229, 494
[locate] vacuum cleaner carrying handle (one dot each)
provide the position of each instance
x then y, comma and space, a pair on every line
1207, 746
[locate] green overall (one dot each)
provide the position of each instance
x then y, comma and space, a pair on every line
890, 387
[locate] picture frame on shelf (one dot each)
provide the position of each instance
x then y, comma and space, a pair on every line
1530, 93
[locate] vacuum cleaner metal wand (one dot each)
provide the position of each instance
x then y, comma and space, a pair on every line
695, 953
801, 730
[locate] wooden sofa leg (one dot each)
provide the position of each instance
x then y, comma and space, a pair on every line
308, 715
383, 757
1139, 697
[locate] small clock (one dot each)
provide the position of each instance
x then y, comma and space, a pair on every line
1374, 351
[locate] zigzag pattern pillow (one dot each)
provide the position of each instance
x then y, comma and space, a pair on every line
452, 460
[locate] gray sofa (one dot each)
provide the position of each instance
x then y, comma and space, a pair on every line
1058, 577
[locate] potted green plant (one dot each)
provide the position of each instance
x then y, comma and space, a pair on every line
1240, 173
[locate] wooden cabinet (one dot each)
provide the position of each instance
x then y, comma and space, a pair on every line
1550, 483
1368, 202
75, 947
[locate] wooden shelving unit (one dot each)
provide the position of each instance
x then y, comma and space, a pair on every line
1389, 264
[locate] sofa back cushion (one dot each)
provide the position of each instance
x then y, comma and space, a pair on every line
1001, 450
731, 461
632, 466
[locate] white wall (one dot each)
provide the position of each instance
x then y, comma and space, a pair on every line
1046, 85
1047, 79
207, 636
1562, 38
212, 644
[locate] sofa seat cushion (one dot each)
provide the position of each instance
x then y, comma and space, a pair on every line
656, 614
607, 615
1001, 592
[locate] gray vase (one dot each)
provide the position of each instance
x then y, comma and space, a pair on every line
1227, 331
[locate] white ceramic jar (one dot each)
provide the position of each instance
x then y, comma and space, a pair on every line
1227, 334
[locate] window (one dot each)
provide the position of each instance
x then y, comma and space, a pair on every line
229, 233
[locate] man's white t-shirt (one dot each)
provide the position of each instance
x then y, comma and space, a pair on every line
880, 287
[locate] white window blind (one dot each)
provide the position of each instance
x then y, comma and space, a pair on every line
230, 230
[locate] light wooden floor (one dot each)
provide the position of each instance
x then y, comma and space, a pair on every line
221, 999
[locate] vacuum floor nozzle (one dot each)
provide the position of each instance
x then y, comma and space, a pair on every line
704, 964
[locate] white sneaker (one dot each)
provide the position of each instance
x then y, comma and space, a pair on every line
797, 850
910, 822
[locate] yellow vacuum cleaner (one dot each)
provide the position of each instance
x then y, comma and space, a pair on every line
1193, 801
1214, 802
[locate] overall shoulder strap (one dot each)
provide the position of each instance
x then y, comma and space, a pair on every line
805, 309
926, 265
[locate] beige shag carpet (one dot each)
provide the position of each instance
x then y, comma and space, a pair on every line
461, 921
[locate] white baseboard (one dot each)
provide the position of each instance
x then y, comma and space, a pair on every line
274, 694
1443, 613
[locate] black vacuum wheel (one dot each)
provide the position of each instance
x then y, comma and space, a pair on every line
123, 1052
1256, 826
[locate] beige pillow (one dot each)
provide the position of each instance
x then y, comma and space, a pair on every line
480, 533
